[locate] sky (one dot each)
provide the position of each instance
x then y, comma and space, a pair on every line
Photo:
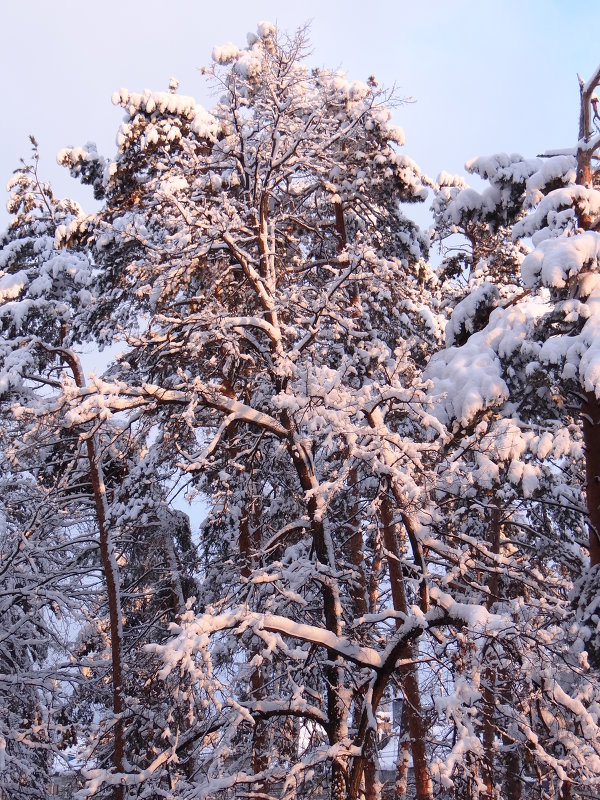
482, 77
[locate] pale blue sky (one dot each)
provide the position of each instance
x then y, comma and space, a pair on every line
486, 76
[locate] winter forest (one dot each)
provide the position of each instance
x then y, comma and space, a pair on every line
328, 523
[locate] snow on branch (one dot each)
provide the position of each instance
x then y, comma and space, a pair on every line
192, 635
116, 397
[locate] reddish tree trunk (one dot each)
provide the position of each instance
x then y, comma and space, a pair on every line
249, 543
489, 673
412, 694
590, 411
111, 577
403, 760
114, 612
590, 407
334, 672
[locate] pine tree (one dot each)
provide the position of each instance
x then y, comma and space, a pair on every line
509, 400
283, 293
387, 512
95, 477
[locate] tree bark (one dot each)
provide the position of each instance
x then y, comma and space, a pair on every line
353, 537
590, 407
403, 760
408, 674
590, 412
512, 767
249, 542
111, 577
323, 547
489, 673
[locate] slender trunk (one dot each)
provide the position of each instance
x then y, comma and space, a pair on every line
489, 674
249, 543
324, 551
590, 411
403, 760
248, 546
321, 537
267, 259
376, 421
371, 791
340, 226
408, 673
413, 710
374, 575
590, 407
353, 537
342, 237
488, 694
111, 577
565, 790
512, 762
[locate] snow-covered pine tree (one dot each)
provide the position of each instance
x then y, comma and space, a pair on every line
94, 479
272, 296
41, 540
41, 548
506, 385
276, 313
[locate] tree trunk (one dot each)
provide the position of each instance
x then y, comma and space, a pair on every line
324, 550
111, 577
353, 538
590, 412
489, 673
403, 760
512, 780
249, 544
408, 673
590, 407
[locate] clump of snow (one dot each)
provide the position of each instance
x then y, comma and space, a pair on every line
462, 321
266, 29
549, 169
530, 479
470, 379
225, 53
534, 174
12, 284
504, 441
466, 380
554, 261
554, 212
